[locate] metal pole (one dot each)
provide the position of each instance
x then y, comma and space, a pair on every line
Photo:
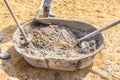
15, 19
99, 30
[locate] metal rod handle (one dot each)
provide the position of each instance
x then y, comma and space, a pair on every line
15, 19
98, 31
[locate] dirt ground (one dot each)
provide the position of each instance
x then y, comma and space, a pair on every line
97, 12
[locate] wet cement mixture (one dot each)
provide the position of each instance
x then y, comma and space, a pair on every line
54, 41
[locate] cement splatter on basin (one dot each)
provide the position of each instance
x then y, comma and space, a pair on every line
52, 45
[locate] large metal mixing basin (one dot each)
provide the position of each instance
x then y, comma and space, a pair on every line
67, 64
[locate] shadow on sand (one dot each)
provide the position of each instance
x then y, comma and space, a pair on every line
7, 33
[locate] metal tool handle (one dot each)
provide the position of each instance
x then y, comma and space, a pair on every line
15, 19
98, 31
39, 9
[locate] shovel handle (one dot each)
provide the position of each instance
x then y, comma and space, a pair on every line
98, 31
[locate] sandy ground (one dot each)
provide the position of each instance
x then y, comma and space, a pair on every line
97, 12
